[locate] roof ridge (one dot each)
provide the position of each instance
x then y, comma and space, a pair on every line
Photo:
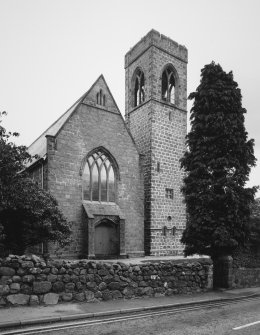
38, 146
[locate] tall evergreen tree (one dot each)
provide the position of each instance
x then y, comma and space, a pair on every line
217, 162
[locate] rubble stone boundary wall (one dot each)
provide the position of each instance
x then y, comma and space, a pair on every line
29, 280
246, 277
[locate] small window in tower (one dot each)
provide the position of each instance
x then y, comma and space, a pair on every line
169, 193
139, 91
168, 85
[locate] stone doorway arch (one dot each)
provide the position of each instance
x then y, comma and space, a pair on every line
106, 220
107, 239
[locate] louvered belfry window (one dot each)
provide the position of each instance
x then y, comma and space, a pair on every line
98, 179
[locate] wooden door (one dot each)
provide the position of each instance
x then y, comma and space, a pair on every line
106, 239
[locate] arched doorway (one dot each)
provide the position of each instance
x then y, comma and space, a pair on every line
106, 239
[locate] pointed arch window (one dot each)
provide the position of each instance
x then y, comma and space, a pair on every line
169, 85
139, 94
98, 178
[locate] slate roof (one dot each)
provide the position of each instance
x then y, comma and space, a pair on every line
38, 147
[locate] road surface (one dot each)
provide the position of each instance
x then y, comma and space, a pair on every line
240, 318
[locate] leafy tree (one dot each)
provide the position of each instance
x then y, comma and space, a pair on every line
217, 164
28, 214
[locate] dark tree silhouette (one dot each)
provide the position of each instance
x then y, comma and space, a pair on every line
28, 214
217, 162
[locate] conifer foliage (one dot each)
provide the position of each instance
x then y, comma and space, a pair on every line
217, 162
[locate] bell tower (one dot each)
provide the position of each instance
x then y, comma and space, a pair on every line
156, 115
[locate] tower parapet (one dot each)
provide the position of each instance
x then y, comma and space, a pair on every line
154, 38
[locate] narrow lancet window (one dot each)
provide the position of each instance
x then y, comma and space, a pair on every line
139, 92
168, 85
101, 98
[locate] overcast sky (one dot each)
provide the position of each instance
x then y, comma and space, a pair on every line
53, 50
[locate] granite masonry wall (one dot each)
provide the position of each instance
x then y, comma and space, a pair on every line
159, 129
29, 280
93, 126
246, 277
246, 267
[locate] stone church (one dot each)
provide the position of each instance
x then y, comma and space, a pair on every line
118, 179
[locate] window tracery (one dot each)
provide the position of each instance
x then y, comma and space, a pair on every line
168, 85
98, 178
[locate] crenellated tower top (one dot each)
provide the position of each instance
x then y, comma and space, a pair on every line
154, 38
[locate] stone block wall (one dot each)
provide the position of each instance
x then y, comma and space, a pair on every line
151, 55
246, 267
161, 42
168, 138
236, 271
29, 280
159, 129
88, 128
246, 277
140, 126
247, 257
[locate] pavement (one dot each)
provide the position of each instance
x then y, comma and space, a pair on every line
24, 316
